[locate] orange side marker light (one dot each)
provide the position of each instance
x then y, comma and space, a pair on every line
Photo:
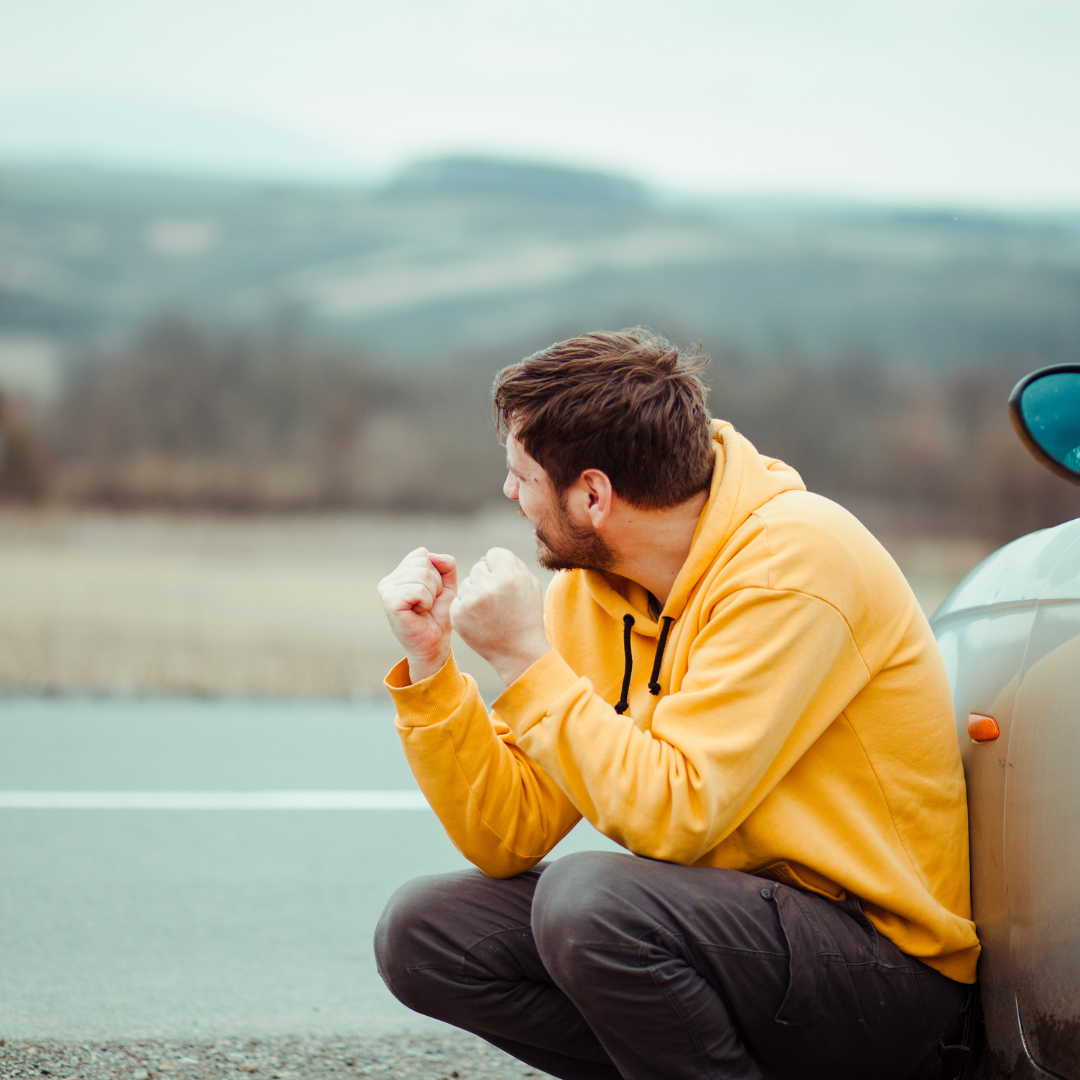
982, 728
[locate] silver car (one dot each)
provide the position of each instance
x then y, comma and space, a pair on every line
1010, 635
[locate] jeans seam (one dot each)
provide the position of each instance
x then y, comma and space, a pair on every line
863, 965
731, 950
690, 1029
606, 946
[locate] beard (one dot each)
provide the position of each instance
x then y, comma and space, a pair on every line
564, 545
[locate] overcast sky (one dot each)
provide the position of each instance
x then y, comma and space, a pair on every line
972, 101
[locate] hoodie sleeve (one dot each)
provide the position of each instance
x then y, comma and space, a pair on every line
769, 671
501, 810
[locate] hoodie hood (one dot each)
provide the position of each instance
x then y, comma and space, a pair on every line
743, 481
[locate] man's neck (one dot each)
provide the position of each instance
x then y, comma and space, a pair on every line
653, 544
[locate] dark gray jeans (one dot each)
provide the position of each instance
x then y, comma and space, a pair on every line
606, 965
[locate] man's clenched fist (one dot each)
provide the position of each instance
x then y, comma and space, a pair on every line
416, 598
499, 612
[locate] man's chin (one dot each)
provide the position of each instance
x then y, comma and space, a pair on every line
555, 561
551, 560
548, 559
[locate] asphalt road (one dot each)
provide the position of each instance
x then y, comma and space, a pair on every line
201, 923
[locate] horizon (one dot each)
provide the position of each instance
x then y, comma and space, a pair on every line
784, 201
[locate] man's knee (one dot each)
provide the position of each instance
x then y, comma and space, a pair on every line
405, 937
582, 900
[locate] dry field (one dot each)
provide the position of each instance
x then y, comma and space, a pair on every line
148, 603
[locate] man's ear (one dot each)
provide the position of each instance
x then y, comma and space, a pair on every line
595, 495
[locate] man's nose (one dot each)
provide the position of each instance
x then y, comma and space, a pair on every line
510, 486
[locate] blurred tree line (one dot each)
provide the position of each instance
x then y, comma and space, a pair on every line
185, 419
188, 420
908, 449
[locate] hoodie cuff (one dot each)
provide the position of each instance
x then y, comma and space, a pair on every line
527, 700
429, 701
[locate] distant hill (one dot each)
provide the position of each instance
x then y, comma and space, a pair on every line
466, 257
519, 180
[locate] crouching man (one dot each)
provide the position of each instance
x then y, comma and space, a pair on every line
733, 681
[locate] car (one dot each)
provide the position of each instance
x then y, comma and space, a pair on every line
1010, 636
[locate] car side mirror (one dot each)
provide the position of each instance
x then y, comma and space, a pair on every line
1045, 410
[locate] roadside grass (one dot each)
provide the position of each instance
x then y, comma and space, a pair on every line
101, 603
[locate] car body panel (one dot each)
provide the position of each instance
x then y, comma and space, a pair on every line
1042, 840
984, 652
1010, 636
1017, 573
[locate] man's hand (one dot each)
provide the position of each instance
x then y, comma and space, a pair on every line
416, 598
499, 612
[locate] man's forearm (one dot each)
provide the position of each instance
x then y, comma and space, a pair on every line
511, 666
500, 810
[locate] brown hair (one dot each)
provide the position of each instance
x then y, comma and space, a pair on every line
624, 402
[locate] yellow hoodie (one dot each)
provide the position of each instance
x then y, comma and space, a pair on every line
802, 729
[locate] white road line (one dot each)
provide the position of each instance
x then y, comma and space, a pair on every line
212, 800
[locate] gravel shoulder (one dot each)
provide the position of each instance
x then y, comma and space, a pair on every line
455, 1056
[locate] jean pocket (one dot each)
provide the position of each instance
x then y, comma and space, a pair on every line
805, 962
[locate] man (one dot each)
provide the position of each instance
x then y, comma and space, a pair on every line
734, 682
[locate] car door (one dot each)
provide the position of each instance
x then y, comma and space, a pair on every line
984, 652
1042, 826
983, 629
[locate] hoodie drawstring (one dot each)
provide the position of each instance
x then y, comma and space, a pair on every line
654, 684
628, 662
628, 665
